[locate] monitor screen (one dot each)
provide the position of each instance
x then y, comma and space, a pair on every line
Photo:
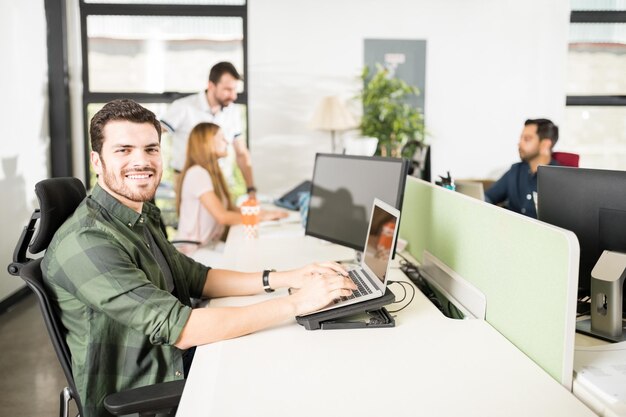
589, 202
342, 193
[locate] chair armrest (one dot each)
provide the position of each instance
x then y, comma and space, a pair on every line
151, 398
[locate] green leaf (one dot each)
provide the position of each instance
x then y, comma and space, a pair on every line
387, 115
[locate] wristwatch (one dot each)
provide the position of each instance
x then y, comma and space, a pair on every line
251, 189
266, 280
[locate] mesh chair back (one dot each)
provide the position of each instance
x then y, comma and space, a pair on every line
31, 273
58, 199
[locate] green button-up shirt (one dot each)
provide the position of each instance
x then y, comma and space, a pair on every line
113, 299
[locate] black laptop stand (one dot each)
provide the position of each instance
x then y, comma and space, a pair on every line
364, 315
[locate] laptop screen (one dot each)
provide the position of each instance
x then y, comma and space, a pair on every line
380, 241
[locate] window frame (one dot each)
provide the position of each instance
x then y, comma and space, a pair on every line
597, 16
126, 9
59, 119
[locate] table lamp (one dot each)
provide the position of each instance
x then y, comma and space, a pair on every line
332, 115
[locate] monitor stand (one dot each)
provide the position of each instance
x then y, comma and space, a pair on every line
607, 283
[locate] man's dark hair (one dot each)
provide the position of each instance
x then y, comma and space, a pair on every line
121, 109
222, 68
545, 129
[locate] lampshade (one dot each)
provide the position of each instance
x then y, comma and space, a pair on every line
332, 114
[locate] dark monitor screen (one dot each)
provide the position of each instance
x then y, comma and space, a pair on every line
342, 193
589, 202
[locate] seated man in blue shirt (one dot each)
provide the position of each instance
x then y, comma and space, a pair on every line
518, 185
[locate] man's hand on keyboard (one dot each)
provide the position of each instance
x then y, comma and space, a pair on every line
299, 277
320, 289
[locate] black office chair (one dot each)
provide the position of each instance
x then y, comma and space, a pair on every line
58, 198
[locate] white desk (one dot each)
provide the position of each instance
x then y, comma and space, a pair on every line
280, 245
427, 365
600, 375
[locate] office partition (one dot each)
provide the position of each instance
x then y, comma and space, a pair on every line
528, 270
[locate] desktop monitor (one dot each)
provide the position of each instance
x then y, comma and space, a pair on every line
343, 190
589, 202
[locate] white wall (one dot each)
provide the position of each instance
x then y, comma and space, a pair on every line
24, 141
491, 64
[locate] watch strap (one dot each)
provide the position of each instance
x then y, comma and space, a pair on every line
266, 280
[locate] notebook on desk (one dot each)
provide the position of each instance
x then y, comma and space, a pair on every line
371, 275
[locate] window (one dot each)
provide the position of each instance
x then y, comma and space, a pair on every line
595, 125
155, 51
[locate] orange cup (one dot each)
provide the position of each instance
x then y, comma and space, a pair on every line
250, 211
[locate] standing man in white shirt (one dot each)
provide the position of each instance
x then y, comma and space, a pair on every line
215, 104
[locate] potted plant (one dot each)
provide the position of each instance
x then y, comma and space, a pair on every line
388, 116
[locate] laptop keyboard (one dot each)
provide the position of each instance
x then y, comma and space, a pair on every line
361, 290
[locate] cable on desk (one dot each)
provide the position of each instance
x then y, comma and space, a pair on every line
403, 289
409, 268
403, 257
439, 300
402, 284
413, 273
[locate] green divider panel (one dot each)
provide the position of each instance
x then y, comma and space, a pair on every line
526, 269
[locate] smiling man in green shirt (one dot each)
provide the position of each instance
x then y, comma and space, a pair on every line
124, 291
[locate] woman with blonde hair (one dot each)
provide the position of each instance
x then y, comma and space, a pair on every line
203, 202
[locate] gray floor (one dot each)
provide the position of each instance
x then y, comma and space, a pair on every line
31, 375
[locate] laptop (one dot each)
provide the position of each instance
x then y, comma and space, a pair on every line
371, 275
470, 188
291, 199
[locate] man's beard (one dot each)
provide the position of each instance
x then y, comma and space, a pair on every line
119, 187
223, 103
528, 157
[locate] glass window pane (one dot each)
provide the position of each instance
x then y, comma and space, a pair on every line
598, 134
598, 4
202, 2
155, 54
597, 59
